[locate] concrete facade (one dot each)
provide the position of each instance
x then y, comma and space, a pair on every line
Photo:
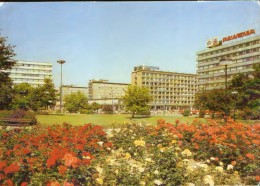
102, 89
244, 52
69, 89
104, 93
170, 90
33, 73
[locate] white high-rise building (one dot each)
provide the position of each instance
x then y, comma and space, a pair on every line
242, 48
33, 73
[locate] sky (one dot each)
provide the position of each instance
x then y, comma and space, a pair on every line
105, 40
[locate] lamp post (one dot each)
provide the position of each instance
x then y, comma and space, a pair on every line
112, 100
225, 62
234, 116
112, 95
61, 62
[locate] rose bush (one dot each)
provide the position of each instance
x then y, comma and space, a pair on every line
231, 143
51, 154
132, 154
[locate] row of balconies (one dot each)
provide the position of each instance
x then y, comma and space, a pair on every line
235, 58
23, 77
228, 72
221, 53
229, 68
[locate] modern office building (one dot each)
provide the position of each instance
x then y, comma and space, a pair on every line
106, 93
69, 89
33, 73
243, 49
170, 90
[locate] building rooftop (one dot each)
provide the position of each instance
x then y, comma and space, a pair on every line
230, 43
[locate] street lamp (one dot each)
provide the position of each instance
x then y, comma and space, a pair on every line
112, 100
61, 62
234, 117
225, 62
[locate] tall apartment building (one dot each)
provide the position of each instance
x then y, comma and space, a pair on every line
33, 73
170, 90
242, 48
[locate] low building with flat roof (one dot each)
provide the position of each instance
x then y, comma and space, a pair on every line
106, 93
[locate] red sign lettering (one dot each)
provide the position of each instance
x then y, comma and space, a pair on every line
239, 35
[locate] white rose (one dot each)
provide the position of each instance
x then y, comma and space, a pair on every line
208, 180
158, 182
219, 169
141, 169
229, 167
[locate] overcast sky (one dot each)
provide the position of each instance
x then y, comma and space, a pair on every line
105, 40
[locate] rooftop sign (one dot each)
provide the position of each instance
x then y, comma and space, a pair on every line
239, 35
214, 42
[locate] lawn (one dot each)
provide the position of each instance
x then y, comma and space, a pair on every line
105, 120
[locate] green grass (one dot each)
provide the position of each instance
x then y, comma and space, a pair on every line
105, 120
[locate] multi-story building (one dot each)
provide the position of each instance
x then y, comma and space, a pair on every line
33, 73
243, 49
106, 93
169, 90
69, 89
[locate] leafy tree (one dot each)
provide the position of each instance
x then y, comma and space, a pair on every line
213, 100
136, 99
75, 102
5, 94
22, 96
36, 99
49, 93
248, 88
94, 106
27, 97
6, 63
247, 98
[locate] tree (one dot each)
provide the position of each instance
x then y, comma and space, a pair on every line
213, 100
75, 101
48, 93
43, 96
6, 63
136, 99
248, 88
22, 96
94, 106
248, 97
36, 98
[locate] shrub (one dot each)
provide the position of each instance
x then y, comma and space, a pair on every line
51, 154
186, 113
132, 154
83, 111
19, 114
107, 109
229, 142
145, 112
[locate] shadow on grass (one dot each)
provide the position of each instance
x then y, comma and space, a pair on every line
138, 117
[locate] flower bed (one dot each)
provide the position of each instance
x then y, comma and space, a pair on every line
134, 154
